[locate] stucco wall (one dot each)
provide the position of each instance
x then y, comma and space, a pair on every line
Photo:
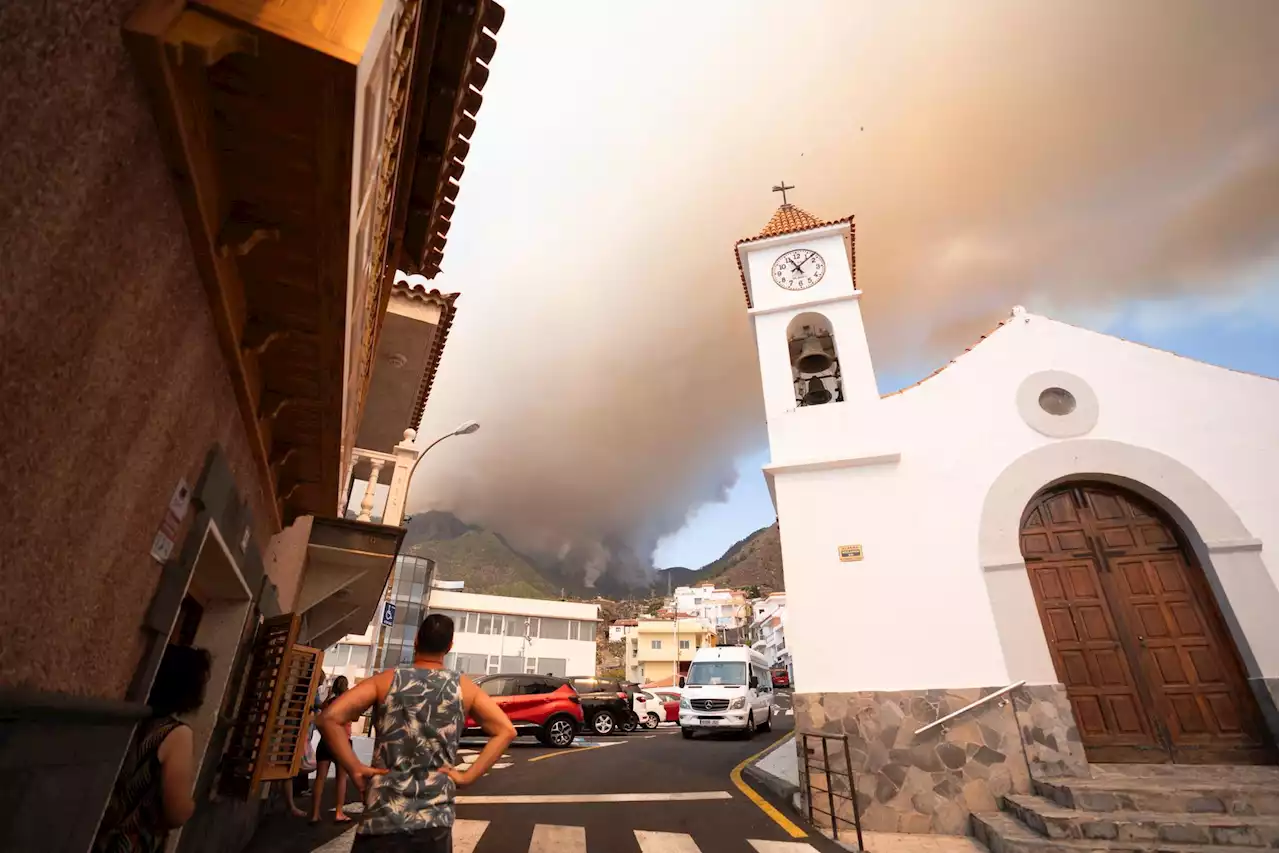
919, 597
113, 383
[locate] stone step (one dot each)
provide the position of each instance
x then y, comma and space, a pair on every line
1050, 819
1002, 833
1159, 795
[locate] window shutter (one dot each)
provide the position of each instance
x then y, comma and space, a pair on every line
270, 734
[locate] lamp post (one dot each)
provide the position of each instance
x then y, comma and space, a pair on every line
465, 428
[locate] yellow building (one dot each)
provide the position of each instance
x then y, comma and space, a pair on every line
656, 646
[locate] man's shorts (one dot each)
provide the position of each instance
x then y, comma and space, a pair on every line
438, 839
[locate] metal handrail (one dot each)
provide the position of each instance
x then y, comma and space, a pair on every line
971, 706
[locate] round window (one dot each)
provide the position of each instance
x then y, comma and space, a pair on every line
1057, 401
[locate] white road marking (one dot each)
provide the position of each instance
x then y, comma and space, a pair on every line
550, 799
665, 842
468, 752
502, 765
781, 846
577, 744
558, 839
466, 834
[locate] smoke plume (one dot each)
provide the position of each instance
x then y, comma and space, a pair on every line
1069, 156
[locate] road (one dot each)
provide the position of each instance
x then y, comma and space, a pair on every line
648, 792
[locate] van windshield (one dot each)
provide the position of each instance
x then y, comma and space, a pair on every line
727, 672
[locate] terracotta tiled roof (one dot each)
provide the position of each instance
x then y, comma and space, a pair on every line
447, 310
789, 219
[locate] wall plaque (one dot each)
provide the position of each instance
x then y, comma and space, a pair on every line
850, 553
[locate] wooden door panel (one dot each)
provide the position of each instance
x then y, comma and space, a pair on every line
1136, 637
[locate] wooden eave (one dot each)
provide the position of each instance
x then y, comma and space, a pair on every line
257, 120
446, 97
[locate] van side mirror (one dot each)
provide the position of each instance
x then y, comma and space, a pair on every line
682, 681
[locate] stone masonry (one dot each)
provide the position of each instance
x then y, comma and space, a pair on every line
930, 783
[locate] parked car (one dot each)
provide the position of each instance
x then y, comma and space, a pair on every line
670, 704
649, 709
606, 706
781, 678
544, 706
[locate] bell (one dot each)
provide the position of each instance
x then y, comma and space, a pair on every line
817, 393
813, 358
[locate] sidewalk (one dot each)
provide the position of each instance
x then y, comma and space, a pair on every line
778, 771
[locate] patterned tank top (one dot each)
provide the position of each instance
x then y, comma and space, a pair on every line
418, 728
134, 818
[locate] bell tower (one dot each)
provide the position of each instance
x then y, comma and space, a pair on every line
820, 391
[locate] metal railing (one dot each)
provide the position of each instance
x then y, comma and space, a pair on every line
995, 695
832, 796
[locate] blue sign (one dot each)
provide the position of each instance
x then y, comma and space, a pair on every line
388, 613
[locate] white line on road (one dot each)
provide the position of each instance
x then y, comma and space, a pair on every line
501, 765
665, 842
550, 799
555, 839
466, 834
780, 846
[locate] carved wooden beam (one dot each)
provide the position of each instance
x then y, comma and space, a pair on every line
198, 38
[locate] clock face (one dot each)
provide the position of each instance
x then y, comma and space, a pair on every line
798, 269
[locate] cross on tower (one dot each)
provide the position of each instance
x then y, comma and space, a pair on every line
782, 188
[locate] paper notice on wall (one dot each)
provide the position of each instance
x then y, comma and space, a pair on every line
850, 553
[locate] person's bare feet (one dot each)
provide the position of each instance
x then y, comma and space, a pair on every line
297, 812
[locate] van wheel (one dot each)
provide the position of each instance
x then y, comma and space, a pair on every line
687, 734
767, 725
751, 725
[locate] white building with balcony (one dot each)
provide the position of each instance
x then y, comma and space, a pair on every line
497, 633
770, 629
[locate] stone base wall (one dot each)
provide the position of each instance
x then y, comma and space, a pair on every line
930, 783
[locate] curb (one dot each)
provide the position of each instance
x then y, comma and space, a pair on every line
774, 784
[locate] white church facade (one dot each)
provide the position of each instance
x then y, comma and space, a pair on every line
1083, 525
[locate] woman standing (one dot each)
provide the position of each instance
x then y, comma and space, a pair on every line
152, 794
324, 757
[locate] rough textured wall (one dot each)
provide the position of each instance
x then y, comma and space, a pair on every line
930, 783
112, 383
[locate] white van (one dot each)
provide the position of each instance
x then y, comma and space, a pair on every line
727, 688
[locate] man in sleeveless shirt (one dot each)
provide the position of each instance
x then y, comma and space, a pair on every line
420, 712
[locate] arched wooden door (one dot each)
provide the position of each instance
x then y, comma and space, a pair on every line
1135, 633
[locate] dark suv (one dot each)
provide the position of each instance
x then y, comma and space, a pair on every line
606, 706
540, 705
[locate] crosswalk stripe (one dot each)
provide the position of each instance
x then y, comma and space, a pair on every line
549, 838
665, 842
549, 799
466, 834
781, 846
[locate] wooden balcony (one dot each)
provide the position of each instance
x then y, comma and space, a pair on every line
315, 147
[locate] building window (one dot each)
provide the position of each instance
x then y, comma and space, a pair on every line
1057, 401
655, 644
684, 644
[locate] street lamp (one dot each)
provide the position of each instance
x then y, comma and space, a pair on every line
465, 428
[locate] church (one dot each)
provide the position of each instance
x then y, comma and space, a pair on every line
1068, 538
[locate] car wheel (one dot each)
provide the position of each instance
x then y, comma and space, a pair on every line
629, 724
602, 723
557, 732
767, 725
687, 734
651, 721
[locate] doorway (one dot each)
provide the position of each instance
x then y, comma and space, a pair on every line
1135, 633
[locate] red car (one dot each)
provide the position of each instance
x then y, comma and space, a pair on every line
670, 705
540, 705
781, 678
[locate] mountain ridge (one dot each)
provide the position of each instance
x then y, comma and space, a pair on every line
486, 562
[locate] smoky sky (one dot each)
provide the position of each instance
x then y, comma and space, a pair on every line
1068, 156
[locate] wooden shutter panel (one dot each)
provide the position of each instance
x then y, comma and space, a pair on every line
269, 737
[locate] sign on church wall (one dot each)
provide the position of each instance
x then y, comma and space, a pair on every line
850, 553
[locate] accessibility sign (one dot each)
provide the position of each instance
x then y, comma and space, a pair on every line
388, 613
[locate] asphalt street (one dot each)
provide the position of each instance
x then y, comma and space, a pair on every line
648, 792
